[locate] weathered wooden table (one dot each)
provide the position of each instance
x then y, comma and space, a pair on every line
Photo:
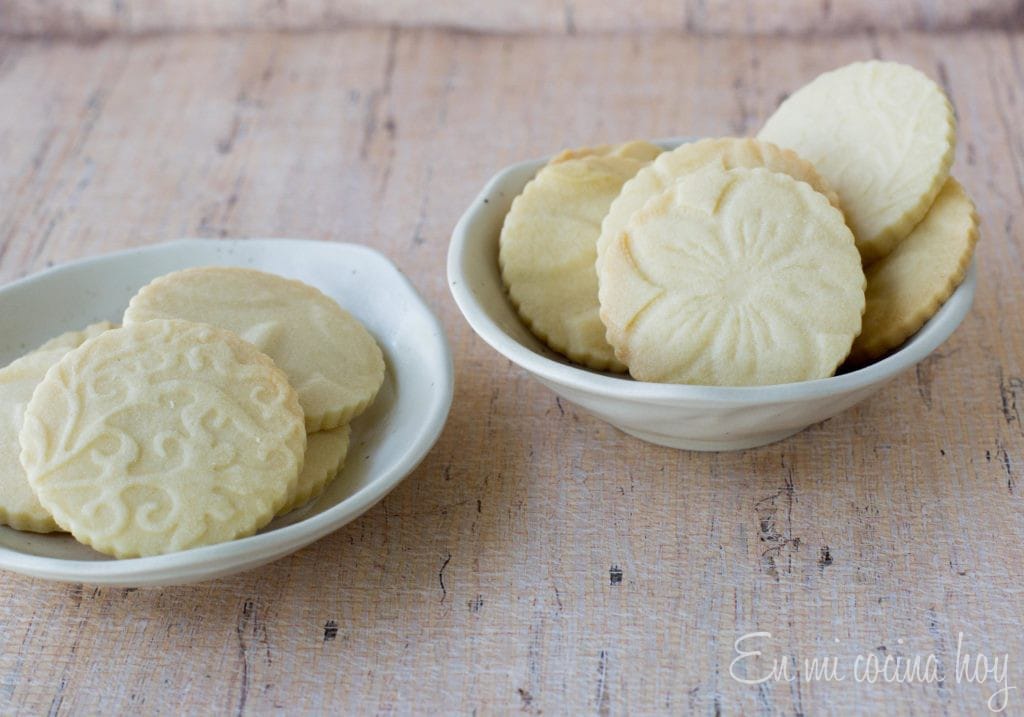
538, 560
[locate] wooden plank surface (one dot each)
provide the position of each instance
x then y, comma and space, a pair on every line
538, 560
78, 18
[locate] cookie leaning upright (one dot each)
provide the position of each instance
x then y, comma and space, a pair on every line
721, 152
162, 436
908, 286
548, 247
882, 135
739, 277
330, 358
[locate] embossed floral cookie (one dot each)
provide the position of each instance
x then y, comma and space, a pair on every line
325, 454
908, 286
330, 358
737, 277
722, 152
19, 507
882, 134
548, 245
161, 436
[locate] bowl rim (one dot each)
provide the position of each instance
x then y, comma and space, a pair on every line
207, 562
925, 341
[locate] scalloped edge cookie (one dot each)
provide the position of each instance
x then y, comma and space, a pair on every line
908, 286
325, 455
330, 358
866, 126
548, 246
721, 152
89, 472
740, 277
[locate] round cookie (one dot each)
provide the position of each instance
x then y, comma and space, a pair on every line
547, 247
325, 454
736, 277
721, 152
908, 286
330, 358
162, 436
73, 339
19, 507
882, 134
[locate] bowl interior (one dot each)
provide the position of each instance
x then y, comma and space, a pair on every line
383, 439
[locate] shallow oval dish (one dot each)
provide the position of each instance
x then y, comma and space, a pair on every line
387, 442
703, 418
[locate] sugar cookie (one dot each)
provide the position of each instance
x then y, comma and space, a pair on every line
332, 361
909, 285
162, 436
882, 134
325, 454
73, 339
548, 247
722, 152
18, 505
733, 278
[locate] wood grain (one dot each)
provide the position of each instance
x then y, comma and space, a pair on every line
75, 18
538, 561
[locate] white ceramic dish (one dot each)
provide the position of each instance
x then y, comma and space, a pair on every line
707, 418
388, 441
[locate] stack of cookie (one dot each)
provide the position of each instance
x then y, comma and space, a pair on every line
831, 237
188, 425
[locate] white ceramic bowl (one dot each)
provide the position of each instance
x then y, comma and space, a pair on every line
387, 443
705, 418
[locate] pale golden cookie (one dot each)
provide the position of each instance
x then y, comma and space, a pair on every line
332, 361
721, 152
908, 286
325, 454
637, 149
733, 278
162, 436
882, 134
73, 339
19, 507
548, 247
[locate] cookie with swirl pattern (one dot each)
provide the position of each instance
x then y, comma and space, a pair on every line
330, 358
161, 436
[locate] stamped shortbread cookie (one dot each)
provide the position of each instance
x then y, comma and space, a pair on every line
73, 339
548, 247
638, 149
722, 152
162, 436
736, 277
908, 286
882, 135
19, 507
332, 361
325, 454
